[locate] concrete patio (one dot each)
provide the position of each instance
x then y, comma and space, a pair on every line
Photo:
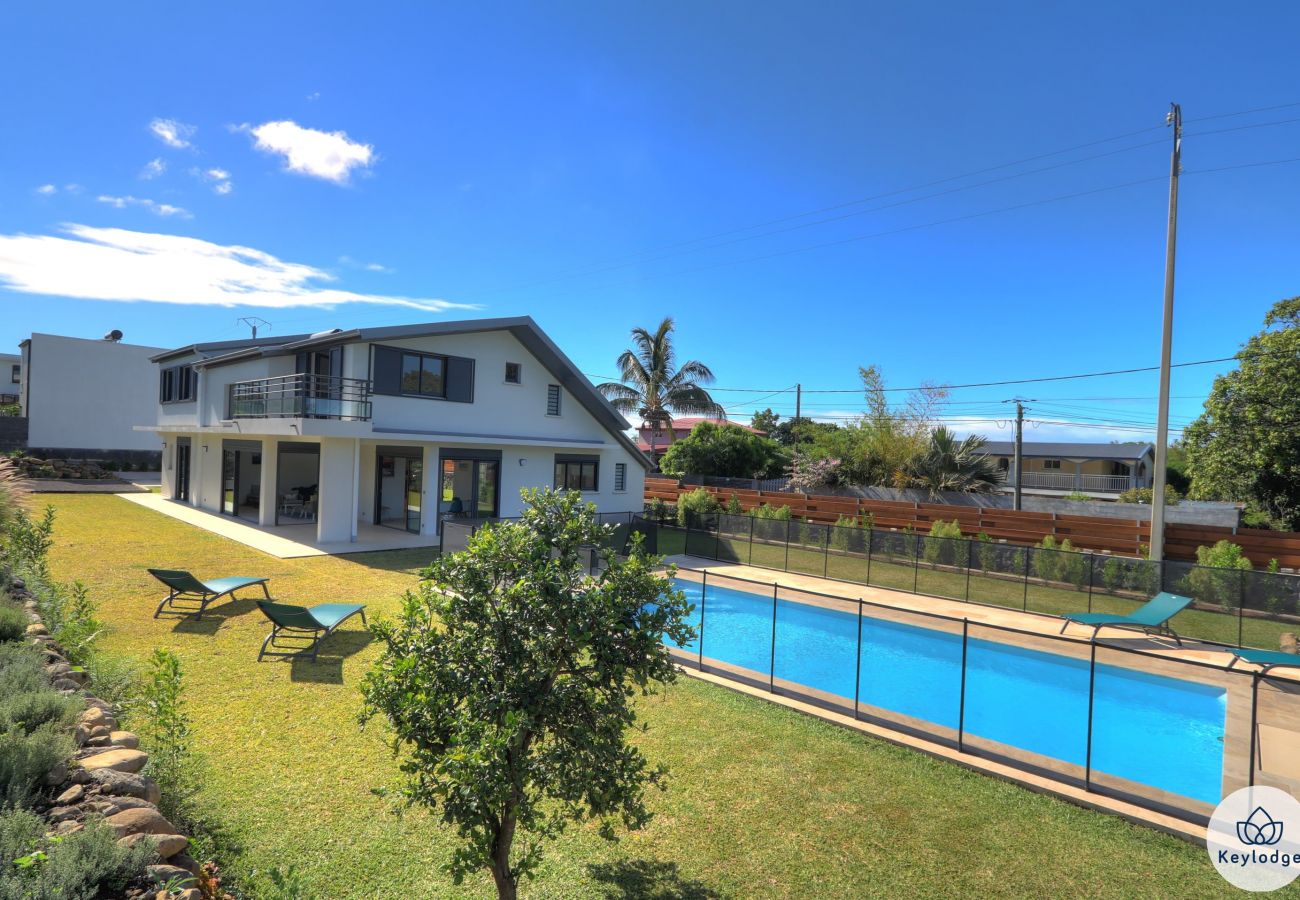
283, 541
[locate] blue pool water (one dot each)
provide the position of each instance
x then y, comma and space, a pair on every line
1155, 730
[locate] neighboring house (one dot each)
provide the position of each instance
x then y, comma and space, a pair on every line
1054, 469
681, 428
84, 397
11, 376
399, 426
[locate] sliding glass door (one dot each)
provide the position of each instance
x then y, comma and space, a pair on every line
181, 471
241, 479
469, 487
399, 492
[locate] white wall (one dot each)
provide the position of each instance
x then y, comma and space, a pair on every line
89, 394
7, 363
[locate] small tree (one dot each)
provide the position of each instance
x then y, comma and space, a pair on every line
508, 680
724, 450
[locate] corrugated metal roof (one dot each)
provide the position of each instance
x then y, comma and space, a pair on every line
1055, 449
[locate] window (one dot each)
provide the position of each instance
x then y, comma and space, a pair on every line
620, 477
17, 374
423, 375
576, 473
1051, 464
552, 399
176, 384
514, 373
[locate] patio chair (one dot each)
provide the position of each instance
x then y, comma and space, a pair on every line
1151, 617
1267, 659
185, 591
297, 631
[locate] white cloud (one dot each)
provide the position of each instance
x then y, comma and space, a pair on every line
329, 155
218, 174
47, 189
73, 188
223, 188
153, 168
369, 267
314, 95
171, 132
376, 267
117, 264
219, 178
158, 209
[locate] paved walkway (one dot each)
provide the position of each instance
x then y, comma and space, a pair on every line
283, 541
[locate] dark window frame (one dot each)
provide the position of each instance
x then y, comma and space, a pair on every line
1053, 465
458, 374
620, 478
442, 377
566, 462
519, 373
176, 384
16, 374
554, 398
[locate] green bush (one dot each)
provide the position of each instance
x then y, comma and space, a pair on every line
945, 543
733, 506
699, 501
1059, 562
657, 510
165, 732
30, 710
986, 553
1077, 496
1217, 578
763, 511
845, 533
79, 866
13, 623
1146, 495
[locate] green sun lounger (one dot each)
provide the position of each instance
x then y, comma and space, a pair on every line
190, 597
299, 630
1268, 659
1151, 617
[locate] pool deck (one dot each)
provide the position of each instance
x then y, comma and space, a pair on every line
1276, 700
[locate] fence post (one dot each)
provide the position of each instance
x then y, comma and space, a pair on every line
1241, 607
871, 533
857, 666
704, 593
1092, 565
826, 553
1254, 726
786, 566
970, 551
1027, 550
1092, 685
961, 703
750, 560
771, 669
916, 561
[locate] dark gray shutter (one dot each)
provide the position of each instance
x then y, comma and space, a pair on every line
460, 379
386, 373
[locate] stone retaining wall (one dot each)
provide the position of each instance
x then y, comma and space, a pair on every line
103, 780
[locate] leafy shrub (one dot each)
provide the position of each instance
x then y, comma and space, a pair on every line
733, 506
13, 623
1059, 562
26, 758
845, 535
657, 510
699, 502
165, 731
1146, 495
71, 617
945, 543
986, 552
764, 511
89, 863
1216, 577
1077, 496
30, 710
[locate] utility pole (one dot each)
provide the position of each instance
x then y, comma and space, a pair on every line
1174, 118
798, 402
1020, 447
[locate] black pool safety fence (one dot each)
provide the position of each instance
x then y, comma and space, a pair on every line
454, 534
1088, 727
1233, 607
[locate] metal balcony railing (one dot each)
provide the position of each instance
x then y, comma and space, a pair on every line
1069, 481
300, 397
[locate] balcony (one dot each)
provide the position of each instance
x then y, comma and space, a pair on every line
300, 397
1067, 481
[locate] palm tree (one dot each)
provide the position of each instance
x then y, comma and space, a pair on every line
948, 464
655, 388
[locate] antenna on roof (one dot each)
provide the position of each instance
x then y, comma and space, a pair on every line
254, 322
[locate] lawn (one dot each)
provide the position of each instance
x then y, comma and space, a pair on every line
763, 802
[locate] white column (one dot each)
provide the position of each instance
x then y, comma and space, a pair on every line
198, 461
168, 473
337, 494
269, 491
429, 497
356, 486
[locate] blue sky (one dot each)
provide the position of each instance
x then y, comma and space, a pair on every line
399, 162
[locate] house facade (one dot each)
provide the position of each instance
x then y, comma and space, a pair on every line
399, 427
84, 397
11, 376
1054, 469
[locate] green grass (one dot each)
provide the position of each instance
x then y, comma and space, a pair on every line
763, 802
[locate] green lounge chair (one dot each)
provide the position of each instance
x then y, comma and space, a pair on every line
1151, 617
186, 591
1268, 659
299, 630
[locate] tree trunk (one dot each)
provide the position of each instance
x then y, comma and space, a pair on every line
506, 888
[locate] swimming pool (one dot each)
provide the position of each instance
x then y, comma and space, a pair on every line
1163, 732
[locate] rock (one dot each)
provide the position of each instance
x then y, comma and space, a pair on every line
58, 670
130, 761
97, 742
140, 821
57, 775
95, 716
125, 739
102, 705
68, 826
72, 795
130, 803
175, 876
171, 844
101, 731
125, 784
37, 628
79, 776
66, 684
190, 894
59, 813
80, 735
186, 862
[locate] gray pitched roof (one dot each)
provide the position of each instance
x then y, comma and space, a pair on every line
523, 328
1057, 449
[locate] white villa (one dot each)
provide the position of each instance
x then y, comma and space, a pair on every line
396, 427
1054, 468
